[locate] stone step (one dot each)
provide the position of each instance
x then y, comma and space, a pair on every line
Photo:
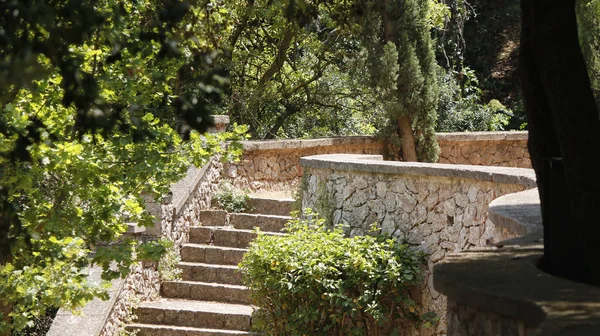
195, 314
210, 254
270, 206
213, 217
225, 274
223, 236
267, 223
167, 330
204, 291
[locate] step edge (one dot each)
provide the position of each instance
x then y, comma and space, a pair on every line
170, 326
207, 284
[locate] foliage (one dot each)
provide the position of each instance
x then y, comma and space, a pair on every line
98, 100
41, 325
449, 30
588, 18
401, 66
292, 75
459, 108
167, 264
491, 48
230, 198
438, 14
316, 281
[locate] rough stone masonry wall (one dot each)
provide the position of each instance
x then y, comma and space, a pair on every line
177, 214
142, 284
464, 320
190, 196
503, 149
438, 214
275, 165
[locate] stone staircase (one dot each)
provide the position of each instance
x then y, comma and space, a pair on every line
210, 299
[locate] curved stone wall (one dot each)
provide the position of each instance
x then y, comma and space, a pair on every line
275, 164
500, 290
438, 207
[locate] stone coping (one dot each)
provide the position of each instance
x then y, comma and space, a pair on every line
219, 119
265, 145
375, 164
520, 213
483, 136
506, 281
282, 144
182, 189
93, 316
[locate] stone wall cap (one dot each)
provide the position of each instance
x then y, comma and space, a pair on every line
374, 164
93, 315
482, 136
519, 212
219, 119
508, 282
263, 145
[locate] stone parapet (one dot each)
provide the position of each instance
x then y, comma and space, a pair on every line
440, 208
220, 123
500, 290
507, 149
275, 164
189, 197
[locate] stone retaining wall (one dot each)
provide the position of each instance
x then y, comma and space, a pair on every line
505, 149
275, 165
439, 208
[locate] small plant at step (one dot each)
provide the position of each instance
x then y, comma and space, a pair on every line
231, 198
167, 265
317, 281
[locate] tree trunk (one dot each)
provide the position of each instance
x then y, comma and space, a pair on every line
289, 111
563, 123
5, 309
409, 152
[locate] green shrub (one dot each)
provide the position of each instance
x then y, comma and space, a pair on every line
231, 199
167, 265
460, 109
317, 281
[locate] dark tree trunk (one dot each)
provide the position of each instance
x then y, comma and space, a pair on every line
564, 137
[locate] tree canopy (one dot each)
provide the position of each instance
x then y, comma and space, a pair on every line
103, 102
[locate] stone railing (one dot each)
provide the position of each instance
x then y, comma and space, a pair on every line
175, 214
440, 208
275, 164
